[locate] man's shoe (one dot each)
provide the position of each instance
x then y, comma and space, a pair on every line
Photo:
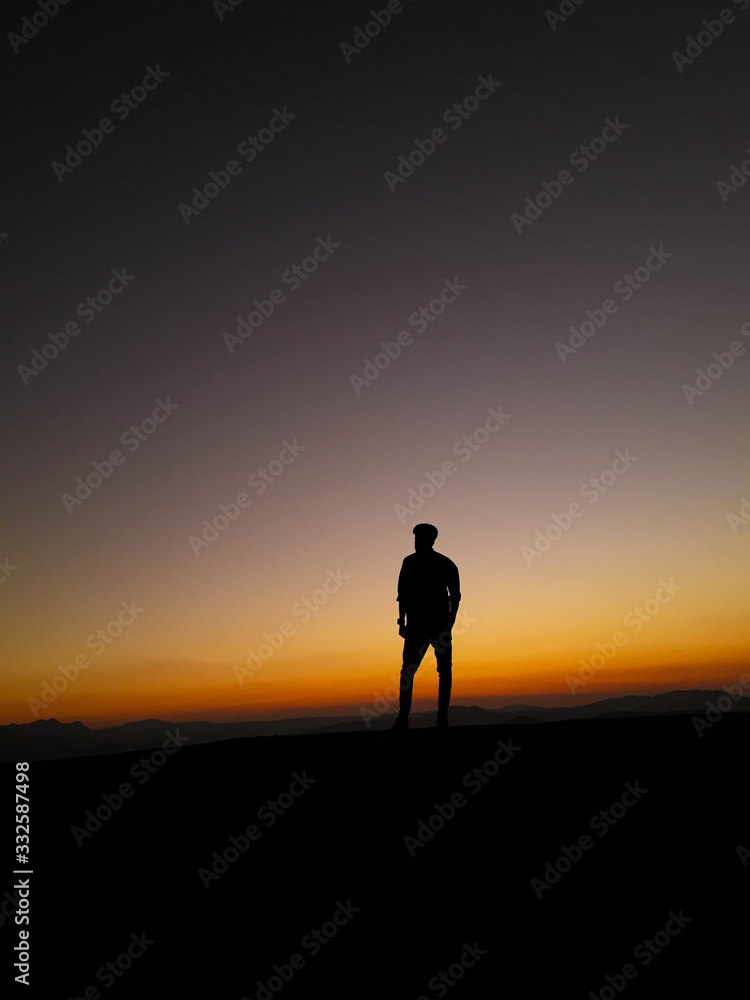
402, 722
442, 721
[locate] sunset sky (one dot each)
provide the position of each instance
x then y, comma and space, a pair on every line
342, 455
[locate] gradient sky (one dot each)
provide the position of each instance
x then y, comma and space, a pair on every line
529, 621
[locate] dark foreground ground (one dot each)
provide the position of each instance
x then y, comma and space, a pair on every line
389, 921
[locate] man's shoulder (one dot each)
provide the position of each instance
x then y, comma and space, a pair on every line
445, 560
416, 559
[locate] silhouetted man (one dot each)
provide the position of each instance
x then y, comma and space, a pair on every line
428, 598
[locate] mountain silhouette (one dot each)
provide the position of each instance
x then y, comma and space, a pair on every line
49, 739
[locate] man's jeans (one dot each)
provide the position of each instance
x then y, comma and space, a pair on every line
419, 638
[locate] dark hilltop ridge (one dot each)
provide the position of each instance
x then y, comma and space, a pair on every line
49, 739
579, 857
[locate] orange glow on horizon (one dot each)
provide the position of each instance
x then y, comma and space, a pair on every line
483, 683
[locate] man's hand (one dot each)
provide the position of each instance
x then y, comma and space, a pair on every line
401, 627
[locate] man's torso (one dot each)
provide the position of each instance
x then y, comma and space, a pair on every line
424, 583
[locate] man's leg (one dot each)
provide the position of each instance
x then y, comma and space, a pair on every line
415, 646
444, 656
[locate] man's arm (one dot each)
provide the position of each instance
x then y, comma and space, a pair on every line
454, 591
400, 597
401, 620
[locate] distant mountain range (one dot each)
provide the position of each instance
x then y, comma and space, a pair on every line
48, 739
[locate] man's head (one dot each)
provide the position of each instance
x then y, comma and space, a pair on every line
424, 537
